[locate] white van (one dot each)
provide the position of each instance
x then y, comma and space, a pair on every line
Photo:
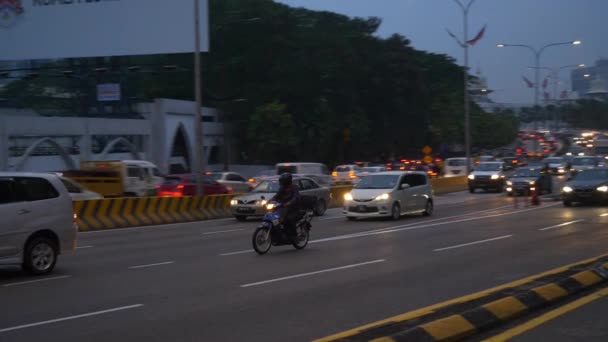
38, 221
456, 167
321, 171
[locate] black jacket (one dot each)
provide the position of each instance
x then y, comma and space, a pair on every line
289, 197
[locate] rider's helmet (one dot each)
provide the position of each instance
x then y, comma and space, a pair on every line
285, 180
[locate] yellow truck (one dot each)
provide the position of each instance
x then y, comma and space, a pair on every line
118, 178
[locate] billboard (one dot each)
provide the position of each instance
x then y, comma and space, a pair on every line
50, 29
107, 92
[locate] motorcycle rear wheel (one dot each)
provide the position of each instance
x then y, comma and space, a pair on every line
302, 237
261, 240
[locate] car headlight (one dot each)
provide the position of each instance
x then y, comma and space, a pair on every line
495, 176
509, 183
270, 206
603, 188
532, 182
234, 202
348, 196
262, 202
382, 197
567, 189
471, 177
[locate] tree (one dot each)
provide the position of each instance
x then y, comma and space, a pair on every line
271, 133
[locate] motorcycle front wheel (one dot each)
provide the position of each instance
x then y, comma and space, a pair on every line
301, 239
261, 240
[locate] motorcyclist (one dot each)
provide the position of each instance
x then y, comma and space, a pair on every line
288, 197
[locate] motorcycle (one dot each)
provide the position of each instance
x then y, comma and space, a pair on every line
272, 233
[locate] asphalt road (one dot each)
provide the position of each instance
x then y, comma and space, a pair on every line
202, 282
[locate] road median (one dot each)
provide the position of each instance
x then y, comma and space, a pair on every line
464, 317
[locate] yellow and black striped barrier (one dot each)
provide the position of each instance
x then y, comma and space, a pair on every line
125, 212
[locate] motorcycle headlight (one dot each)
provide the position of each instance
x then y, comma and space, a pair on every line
495, 176
471, 177
348, 196
270, 206
567, 189
509, 183
382, 197
262, 202
234, 202
603, 188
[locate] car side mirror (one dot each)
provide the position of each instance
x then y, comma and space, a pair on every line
263, 197
405, 186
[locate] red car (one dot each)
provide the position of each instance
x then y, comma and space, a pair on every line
185, 185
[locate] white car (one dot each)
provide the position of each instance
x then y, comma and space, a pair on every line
456, 167
79, 192
390, 194
232, 180
38, 221
345, 174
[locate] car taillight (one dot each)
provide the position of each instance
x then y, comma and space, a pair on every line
251, 180
180, 187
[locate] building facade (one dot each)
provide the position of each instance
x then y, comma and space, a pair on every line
164, 136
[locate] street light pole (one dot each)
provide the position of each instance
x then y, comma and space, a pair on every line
467, 108
537, 55
199, 149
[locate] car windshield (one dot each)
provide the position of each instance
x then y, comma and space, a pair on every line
286, 169
554, 160
216, 176
268, 186
527, 173
584, 161
370, 169
378, 182
456, 162
343, 168
488, 167
597, 174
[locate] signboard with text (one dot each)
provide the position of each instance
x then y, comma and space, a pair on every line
52, 29
108, 92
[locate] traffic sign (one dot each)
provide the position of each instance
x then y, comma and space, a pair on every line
427, 159
427, 149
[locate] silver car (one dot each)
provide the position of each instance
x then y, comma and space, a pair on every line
232, 180
390, 194
38, 221
254, 203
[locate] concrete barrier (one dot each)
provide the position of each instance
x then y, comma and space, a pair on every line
113, 213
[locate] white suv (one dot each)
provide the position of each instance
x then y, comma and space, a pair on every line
38, 221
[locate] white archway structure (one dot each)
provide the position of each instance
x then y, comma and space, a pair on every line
132, 149
62, 153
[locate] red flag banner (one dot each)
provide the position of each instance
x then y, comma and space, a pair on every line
478, 36
545, 82
529, 83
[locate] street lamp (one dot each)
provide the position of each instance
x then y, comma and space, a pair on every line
537, 54
465, 45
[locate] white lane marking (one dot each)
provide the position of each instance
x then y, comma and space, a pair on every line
84, 247
604, 215
223, 231
411, 226
70, 318
331, 218
472, 243
235, 253
152, 265
561, 225
313, 273
37, 281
